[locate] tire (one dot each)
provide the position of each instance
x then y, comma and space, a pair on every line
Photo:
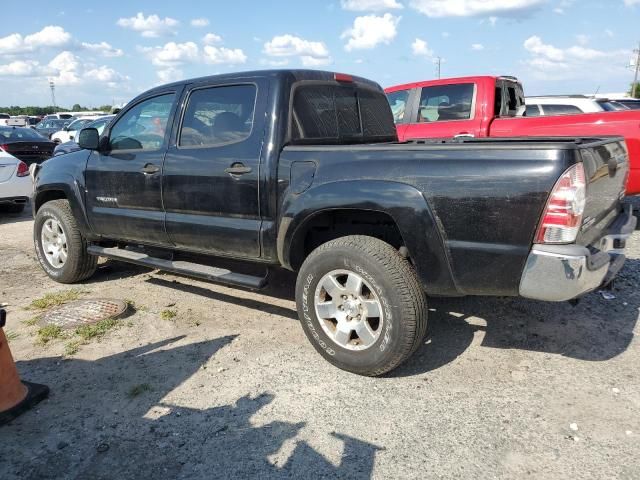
389, 286
78, 264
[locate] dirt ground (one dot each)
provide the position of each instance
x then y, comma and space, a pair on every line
229, 387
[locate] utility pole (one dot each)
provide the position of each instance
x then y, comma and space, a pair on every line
52, 86
439, 66
634, 88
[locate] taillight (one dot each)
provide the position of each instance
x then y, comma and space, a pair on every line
562, 216
23, 169
4, 147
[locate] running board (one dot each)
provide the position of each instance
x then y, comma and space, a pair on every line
196, 270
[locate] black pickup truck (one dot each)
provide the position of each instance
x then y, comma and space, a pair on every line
302, 170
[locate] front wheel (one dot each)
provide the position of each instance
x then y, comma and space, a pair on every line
60, 247
361, 304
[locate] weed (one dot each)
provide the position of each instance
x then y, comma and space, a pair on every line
98, 329
32, 321
139, 390
11, 335
48, 333
55, 299
168, 314
72, 348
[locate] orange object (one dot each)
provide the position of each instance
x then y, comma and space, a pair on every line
12, 391
16, 397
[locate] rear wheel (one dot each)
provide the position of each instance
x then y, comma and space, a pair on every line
60, 247
361, 304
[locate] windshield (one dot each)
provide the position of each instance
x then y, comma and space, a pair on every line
19, 134
78, 124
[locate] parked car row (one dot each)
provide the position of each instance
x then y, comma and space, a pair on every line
372, 226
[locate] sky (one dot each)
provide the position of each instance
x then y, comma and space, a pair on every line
100, 53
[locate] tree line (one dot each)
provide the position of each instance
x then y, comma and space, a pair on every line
39, 111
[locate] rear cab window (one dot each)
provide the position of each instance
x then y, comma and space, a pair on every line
561, 109
442, 103
509, 101
336, 113
398, 103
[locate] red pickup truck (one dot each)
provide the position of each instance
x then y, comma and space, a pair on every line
494, 107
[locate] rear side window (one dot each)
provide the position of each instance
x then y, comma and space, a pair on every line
218, 116
398, 103
561, 109
336, 113
446, 102
532, 111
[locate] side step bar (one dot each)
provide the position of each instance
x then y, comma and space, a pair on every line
196, 270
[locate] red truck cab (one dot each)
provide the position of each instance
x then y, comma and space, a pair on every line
487, 106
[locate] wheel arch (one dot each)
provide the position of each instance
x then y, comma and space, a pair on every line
400, 209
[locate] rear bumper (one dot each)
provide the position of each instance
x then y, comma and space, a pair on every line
556, 273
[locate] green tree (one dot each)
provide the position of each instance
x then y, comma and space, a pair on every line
76, 107
635, 92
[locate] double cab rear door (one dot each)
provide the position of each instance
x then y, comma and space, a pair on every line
181, 168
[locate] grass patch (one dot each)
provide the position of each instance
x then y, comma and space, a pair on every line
134, 306
139, 390
72, 348
11, 335
48, 333
55, 299
168, 314
32, 321
87, 332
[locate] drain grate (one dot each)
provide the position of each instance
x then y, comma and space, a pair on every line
84, 312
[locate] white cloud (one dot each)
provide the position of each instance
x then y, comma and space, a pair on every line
609, 33
19, 68
151, 26
107, 75
211, 38
468, 8
103, 48
311, 53
535, 45
370, 5
371, 30
65, 67
168, 75
216, 55
172, 54
420, 48
493, 20
477, 47
577, 61
630, 3
199, 22
50, 36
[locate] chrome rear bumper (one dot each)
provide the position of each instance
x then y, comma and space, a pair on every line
556, 273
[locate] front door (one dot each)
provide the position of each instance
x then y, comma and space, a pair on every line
124, 179
445, 111
212, 170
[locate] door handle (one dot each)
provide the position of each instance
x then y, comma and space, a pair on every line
464, 135
150, 168
238, 169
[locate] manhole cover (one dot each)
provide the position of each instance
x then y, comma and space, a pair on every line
84, 312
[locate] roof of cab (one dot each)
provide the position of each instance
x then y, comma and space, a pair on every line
290, 75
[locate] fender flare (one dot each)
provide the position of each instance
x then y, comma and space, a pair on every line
403, 203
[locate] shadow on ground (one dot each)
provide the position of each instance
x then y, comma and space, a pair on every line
97, 424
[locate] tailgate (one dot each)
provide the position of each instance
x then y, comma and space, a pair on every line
606, 166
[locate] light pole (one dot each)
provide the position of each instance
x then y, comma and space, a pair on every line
438, 63
52, 86
634, 87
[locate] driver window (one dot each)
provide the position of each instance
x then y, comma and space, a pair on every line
144, 126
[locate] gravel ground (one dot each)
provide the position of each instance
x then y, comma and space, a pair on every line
230, 388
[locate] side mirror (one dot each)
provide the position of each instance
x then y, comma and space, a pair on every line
65, 129
89, 139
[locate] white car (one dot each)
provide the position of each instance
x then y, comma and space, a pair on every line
567, 105
71, 131
15, 183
